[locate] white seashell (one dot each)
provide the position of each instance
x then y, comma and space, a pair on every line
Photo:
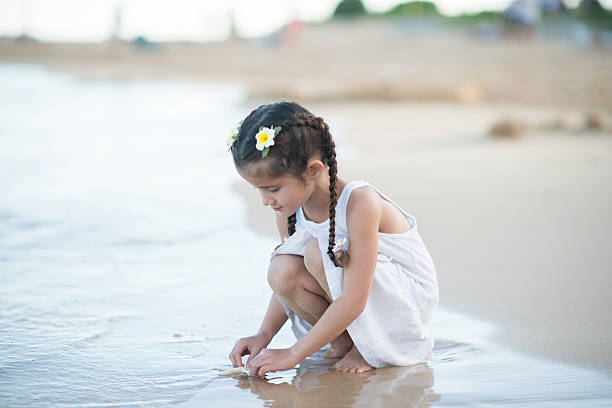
234, 371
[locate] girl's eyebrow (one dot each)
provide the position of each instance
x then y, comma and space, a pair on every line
265, 186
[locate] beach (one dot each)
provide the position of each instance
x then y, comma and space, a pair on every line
516, 223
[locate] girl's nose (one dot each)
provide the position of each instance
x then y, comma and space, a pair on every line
266, 199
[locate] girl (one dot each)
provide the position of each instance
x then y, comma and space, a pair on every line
371, 304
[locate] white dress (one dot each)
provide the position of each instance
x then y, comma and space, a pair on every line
392, 328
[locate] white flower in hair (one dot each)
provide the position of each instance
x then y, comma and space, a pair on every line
339, 243
233, 136
265, 138
231, 139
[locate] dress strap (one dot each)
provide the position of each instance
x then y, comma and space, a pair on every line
352, 185
299, 217
346, 193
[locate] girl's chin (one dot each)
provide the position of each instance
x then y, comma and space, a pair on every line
283, 211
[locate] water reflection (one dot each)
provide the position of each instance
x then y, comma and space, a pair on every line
315, 384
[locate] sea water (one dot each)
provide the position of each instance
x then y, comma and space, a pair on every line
127, 271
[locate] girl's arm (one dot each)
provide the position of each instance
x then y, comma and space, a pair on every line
363, 218
272, 322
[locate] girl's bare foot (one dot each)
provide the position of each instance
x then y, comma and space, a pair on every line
353, 362
340, 346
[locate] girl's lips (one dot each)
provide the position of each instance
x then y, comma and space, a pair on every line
277, 208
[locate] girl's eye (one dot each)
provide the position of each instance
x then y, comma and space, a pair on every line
273, 190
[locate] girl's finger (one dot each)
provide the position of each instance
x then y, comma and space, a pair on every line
257, 361
262, 371
250, 361
245, 350
254, 367
232, 357
253, 354
256, 356
236, 355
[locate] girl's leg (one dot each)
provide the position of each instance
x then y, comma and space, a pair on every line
352, 360
291, 281
314, 266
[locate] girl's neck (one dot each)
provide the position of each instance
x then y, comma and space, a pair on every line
316, 208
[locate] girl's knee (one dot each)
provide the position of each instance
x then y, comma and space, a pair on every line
283, 273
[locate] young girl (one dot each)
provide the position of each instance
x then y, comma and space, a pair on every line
352, 270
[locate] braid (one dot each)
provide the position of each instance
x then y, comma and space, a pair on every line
333, 198
291, 224
299, 121
311, 121
340, 257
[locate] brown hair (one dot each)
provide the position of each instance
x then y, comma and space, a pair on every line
302, 137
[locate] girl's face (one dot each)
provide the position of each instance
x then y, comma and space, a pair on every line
284, 194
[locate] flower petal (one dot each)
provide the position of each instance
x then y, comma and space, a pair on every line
269, 142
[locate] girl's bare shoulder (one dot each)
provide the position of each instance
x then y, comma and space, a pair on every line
365, 201
363, 196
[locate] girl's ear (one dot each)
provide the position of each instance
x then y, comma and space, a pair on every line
314, 169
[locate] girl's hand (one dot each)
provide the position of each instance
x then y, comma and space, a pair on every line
248, 345
272, 360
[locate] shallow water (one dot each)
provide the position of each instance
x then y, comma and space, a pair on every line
127, 270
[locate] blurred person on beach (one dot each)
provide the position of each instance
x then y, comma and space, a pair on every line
352, 273
521, 17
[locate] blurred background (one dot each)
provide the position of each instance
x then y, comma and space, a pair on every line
474, 50
132, 255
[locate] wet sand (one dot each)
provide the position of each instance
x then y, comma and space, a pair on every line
315, 384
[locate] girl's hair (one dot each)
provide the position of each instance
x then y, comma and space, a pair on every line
302, 137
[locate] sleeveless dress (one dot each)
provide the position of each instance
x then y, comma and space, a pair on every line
391, 330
